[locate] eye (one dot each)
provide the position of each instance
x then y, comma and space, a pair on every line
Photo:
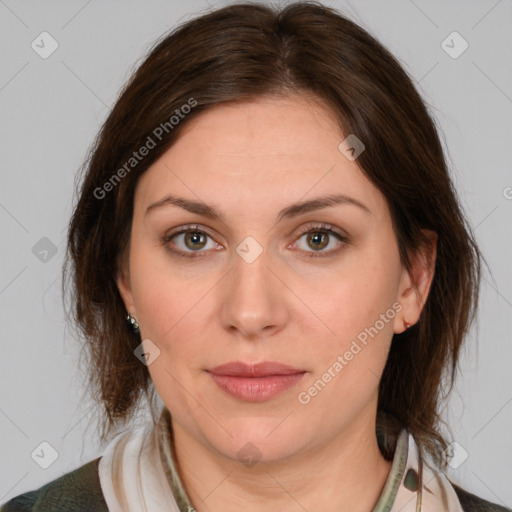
319, 237
189, 240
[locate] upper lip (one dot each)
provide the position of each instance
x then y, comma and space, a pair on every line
264, 369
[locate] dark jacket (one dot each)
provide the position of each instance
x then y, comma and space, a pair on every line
80, 491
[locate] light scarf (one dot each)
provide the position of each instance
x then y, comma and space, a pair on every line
138, 473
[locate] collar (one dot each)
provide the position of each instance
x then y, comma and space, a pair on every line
140, 471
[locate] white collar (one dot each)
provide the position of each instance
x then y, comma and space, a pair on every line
138, 473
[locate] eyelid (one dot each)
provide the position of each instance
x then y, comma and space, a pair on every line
311, 226
186, 227
308, 227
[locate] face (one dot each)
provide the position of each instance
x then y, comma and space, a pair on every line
319, 290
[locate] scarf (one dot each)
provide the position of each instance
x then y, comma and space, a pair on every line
139, 473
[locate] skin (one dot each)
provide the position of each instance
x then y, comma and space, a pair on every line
251, 160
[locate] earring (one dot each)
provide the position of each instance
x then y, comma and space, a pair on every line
132, 323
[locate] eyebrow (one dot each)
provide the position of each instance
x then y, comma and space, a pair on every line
291, 211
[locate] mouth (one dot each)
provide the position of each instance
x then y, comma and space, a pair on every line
255, 382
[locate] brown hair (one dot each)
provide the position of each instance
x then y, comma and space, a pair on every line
239, 53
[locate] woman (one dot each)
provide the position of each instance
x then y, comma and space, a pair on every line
267, 240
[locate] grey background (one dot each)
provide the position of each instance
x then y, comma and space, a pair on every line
52, 108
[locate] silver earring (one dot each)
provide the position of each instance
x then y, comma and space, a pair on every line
132, 322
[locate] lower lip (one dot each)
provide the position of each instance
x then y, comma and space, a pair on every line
256, 389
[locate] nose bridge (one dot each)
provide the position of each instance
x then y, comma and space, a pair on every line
251, 264
253, 300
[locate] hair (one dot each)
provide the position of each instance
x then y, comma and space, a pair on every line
241, 53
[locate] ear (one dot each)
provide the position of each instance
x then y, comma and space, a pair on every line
415, 284
124, 286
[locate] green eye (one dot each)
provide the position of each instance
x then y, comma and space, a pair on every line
319, 237
192, 241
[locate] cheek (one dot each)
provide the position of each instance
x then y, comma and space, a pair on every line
354, 298
349, 363
359, 307
174, 311
167, 293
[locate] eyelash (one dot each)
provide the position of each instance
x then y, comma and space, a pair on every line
315, 228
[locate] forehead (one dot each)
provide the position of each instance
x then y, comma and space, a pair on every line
263, 152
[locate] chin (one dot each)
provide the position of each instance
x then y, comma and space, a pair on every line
259, 439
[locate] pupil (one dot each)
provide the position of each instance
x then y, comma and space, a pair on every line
194, 237
316, 240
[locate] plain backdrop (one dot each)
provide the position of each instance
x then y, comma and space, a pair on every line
50, 110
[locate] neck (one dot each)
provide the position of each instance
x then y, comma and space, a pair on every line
345, 474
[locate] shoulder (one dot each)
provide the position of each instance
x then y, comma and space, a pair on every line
78, 490
472, 503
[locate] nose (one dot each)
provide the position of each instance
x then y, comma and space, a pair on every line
254, 302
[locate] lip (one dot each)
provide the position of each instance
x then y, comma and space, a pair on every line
255, 382
264, 369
